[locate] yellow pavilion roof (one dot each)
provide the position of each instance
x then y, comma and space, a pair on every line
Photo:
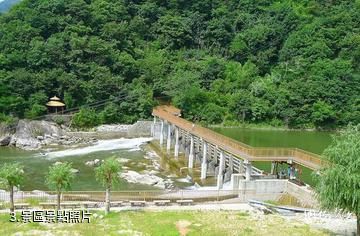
55, 104
54, 99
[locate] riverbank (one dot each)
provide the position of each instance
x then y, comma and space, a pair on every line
34, 135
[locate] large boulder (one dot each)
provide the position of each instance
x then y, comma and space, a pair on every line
6, 132
147, 179
30, 134
4, 141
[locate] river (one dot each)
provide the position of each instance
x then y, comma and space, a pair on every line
36, 165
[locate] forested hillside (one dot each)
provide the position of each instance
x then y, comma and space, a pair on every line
292, 63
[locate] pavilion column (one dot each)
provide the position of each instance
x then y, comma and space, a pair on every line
220, 178
248, 170
168, 143
176, 154
191, 155
204, 161
162, 133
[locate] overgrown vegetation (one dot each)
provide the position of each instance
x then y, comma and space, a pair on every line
293, 63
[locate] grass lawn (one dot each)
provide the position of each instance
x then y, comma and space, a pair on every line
165, 223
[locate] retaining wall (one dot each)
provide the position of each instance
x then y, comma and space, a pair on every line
272, 189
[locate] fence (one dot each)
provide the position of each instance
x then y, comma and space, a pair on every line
197, 196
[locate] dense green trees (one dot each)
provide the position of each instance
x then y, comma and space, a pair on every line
292, 63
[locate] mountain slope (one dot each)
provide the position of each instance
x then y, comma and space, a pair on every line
293, 62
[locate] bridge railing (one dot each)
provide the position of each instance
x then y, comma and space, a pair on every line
305, 158
202, 132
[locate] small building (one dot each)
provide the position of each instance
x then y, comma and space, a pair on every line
55, 105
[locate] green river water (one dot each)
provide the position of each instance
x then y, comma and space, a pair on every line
36, 165
312, 141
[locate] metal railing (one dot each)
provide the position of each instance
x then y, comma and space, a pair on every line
35, 197
48, 198
239, 149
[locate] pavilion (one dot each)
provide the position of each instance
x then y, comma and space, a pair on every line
55, 105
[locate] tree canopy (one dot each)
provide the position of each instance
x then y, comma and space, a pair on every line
339, 185
11, 175
108, 172
295, 63
60, 177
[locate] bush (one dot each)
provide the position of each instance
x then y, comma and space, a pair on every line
59, 120
213, 114
85, 118
7, 119
110, 114
35, 111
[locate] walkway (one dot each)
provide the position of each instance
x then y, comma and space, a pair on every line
171, 115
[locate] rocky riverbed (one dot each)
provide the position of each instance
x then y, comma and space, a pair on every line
52, 144
35, 134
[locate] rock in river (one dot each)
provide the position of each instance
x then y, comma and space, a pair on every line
75, 171
93, 163
148, 179
4, 141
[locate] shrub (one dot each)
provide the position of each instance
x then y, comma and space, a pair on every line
7, 119
35, 111
59, 120
85, 118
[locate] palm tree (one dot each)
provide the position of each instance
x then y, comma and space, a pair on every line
59, 179
11, 175
108, 174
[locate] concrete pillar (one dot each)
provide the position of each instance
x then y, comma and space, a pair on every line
162, 133
176, 154
231, 163
168, 143
292, 172
204, 161
191, 154
220, 179
248, 170
241, 167
153, 127
273, 167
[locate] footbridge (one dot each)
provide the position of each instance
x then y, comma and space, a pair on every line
226, 156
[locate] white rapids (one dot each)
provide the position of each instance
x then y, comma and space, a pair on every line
101, 145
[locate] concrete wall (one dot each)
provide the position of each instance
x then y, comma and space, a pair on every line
262, 189
304, 194
272, 189
140, 129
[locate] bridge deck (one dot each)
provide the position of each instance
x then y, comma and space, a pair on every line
237, 148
